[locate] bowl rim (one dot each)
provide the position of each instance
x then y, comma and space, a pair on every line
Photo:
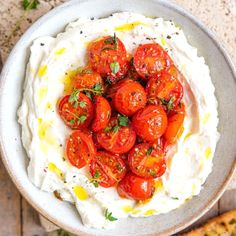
4, 157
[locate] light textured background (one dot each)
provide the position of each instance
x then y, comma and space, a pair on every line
16, 216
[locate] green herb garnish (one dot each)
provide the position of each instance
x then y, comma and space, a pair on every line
95, 178
112, 40
149, 151
108, 216
97, 87
174, 198
119, 167
82, 118
82, 104
115, 67
152, 173
74, 97
62, 232
86, 72
72, 122
108, 129
115, 128
168, 104
123, 120
88, 94
29, 5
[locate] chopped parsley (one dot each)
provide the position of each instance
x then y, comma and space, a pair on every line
109, 216
123, 120
149, 151
115, 67
30, 4
95, 178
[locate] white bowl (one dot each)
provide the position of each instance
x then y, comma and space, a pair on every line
223, 75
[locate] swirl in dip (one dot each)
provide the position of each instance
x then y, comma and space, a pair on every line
52, 66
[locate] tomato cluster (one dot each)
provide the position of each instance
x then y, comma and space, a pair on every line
124, 113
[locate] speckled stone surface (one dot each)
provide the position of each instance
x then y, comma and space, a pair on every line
217, 15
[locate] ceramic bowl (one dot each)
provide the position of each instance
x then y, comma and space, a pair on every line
223, 76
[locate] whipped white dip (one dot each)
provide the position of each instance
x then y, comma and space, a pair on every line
52, 63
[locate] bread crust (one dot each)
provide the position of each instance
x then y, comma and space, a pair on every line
223, 225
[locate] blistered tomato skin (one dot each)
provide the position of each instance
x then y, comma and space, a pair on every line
76, 114
135, 187
80, 149
150, 123
128, 96
86, 79
164, 88
146, 161
108, 57
115, 138
107, 169
175, 124
151, 59
102, 113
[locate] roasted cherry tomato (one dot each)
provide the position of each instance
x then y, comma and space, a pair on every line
151, 59
150, 122
80, 149
102, 113
175, 124
108, 57
107, 169
132, 73
118, 137
128, 96
136, 187
146, 161
164, 89
76, 110
87, 79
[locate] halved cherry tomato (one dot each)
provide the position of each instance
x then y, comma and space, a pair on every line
128, 96
107, 169
86, 79
102, 113
166, 89
151, 59
80, 149
76, 113
146, 161
150, 122
135, 187
175, 124
117, 138
108, 57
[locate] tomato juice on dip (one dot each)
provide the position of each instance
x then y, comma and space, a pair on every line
114, 104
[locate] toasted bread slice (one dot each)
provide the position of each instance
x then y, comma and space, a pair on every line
223, 225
